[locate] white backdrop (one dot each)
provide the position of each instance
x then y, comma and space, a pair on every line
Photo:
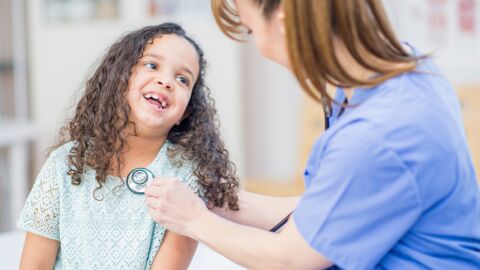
448, 28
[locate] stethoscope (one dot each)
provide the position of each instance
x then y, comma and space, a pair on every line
139, 178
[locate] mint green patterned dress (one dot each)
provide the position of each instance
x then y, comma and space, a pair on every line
114, 232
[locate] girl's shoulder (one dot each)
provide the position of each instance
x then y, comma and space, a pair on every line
64, 148
58, 159
171, 160
171, 163
61, 152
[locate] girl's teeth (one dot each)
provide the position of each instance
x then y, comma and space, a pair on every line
163, 102
152, 96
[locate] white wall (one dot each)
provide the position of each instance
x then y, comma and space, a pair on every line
63, 54
272, 118
259, 102
436, 27
273, 98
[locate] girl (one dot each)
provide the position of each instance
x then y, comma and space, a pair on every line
390, 184
145, 106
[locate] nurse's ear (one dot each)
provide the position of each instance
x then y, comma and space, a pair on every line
280, 17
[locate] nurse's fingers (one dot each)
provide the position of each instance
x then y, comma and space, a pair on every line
164, 181
154, 214
152, 202
154, 191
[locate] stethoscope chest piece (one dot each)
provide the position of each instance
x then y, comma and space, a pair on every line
138, 179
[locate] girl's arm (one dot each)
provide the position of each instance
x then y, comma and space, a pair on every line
38, 252
176, 252
257, 210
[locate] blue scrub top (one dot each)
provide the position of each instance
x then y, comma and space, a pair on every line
391, 184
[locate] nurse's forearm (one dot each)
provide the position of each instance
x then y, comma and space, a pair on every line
262, 251
259, 210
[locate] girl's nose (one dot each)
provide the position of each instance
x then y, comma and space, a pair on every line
165, 83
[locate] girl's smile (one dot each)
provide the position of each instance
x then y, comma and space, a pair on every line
158, 100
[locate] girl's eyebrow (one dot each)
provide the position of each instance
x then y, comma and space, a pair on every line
161, 58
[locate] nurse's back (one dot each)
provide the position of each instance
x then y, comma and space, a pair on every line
427, 135
391, 184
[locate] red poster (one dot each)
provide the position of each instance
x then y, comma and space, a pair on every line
437, 20
438, 15
466, 16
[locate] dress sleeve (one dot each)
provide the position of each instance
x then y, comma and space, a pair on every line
192, 182
40, 213
360, 200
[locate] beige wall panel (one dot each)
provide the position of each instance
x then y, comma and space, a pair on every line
470, 101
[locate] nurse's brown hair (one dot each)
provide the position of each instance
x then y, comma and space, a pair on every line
312, 29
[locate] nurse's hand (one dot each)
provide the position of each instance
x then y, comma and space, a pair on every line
174, 205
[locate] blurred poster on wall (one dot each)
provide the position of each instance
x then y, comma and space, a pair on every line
175, 7
65, 11
467, 16
447, 28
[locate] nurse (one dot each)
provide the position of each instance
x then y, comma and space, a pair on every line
390, 185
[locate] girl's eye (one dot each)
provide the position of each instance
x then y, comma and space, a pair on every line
182, 79
151, 66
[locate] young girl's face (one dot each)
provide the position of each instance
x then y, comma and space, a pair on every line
161, 84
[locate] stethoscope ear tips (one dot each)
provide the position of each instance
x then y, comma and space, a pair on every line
138, 179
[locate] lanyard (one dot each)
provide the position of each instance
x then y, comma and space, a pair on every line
328, 113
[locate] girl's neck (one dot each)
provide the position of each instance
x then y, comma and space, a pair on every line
141, 151
139, 147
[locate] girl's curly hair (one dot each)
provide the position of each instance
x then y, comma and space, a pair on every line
101, 119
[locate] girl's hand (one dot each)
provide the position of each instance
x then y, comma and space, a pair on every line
173, 205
